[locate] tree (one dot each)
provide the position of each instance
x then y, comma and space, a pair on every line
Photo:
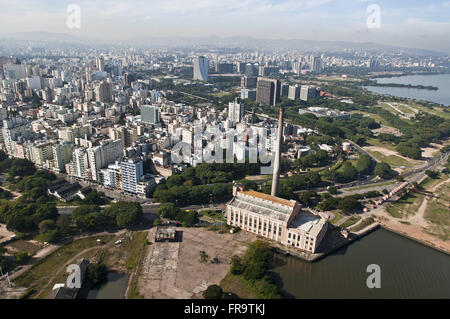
254, 271
384, 170
364, 164
213, 292
46, 225
349, 205
432, 174
97, 273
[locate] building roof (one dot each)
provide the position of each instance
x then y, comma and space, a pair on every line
271, 198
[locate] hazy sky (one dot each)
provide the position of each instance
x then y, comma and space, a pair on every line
413, 23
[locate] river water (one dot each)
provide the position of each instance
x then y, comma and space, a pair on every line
441, 96
408, 270
114, 288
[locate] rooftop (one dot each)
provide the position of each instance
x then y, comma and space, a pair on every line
266, 211
271, 198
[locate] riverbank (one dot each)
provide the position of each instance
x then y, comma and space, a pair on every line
409, 270
332, 242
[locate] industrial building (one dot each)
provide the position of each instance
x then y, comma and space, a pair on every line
277, 219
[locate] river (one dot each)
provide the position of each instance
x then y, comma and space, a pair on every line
114, 288
408, 270
441, 96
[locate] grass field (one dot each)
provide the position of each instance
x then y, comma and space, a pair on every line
237, 285
438, 213
377, 142
371, 186
366, 222
393, 160
39, 275
351, 221
406, 205
336, 218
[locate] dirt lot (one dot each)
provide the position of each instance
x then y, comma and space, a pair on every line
417, 225
5, 234
175, 270
387, 129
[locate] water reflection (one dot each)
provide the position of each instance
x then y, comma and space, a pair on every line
114, 288
408, 270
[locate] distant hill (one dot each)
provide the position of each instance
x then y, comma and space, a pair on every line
223, 42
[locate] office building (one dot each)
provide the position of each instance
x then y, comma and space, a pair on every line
249, 82
308, 92
150, 114
268, 91
294, 92
201, 68
235, 111
103, 92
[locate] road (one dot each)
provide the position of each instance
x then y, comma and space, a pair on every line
150, 209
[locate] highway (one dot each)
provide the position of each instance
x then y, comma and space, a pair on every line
150, 209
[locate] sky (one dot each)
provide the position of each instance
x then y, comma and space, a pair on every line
413, 23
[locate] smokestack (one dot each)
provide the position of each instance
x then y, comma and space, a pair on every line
276, 166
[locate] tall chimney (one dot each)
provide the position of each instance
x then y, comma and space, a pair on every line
276, 166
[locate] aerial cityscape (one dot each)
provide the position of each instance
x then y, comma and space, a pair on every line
177, 157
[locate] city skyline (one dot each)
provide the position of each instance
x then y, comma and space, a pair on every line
420, 25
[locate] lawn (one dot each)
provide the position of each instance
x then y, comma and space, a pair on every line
134, 248
370, 186
336, 218
438, 213
393, 160
213, 214
406, 205
237, 285
366, 222
351, 221
377, 142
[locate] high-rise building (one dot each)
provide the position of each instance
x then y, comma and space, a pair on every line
268, 91
297, 67
150, 114
308, 92
248, 94
251, 69
62, 155
132, 172
249, 82
316, 64
201, 68
224, 68
100, 63
103, 92
284, 89
294, 92
235, 111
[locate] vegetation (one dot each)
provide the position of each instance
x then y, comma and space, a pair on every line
187, 219
213, 292
97, 273
253, 269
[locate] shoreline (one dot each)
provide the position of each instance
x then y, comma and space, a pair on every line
417, 240
353, 238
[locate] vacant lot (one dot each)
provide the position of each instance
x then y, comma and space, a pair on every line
5, 234
176, 270
43, 273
